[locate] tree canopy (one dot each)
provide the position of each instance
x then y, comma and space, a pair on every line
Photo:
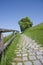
25, 23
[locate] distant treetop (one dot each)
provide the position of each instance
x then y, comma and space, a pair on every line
25, 23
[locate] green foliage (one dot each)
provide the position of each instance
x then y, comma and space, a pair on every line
25, 23
36, 33
5, 39
10, 52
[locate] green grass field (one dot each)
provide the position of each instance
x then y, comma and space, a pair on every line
10, 51
36, 33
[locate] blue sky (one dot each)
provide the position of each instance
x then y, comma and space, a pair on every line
11, 11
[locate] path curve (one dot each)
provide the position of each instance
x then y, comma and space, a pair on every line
28, 52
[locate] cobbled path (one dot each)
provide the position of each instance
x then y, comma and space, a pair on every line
28, 52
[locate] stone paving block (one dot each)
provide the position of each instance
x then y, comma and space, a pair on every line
41, 61
16, 51
32, 57
23, 49
18, 54
18, 59
32, 46
32, 53
30, 50
36, 48
37, 62
41, 50
40, 57
25, 58
39, 53
28, 63
19, 50
19, 63
13, 63
33, 41
24, 54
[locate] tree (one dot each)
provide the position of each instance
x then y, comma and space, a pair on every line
25, 23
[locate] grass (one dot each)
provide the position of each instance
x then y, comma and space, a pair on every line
36, 33
5, 39
10, 52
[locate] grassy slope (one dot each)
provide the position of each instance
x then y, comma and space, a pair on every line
5, 39
36, 33
10, 52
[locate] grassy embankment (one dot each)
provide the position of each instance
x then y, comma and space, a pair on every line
5, 39
36, 33
10, 52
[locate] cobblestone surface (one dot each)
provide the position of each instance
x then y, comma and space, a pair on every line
28, 52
